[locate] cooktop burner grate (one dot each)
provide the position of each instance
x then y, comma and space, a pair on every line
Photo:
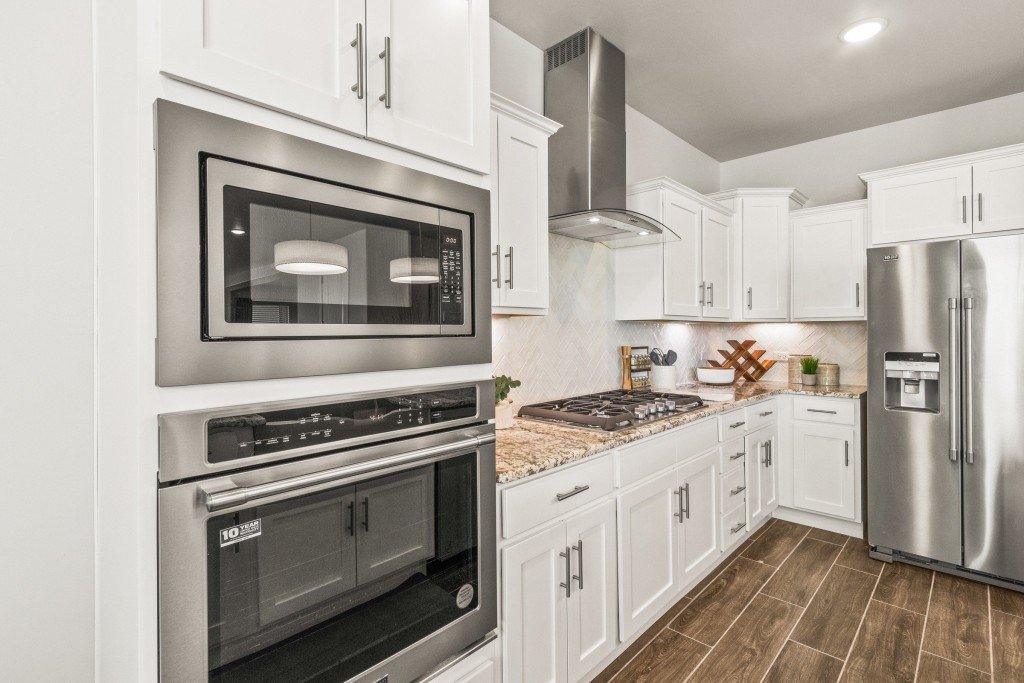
612, 410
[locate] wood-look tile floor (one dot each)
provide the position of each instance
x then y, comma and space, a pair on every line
794, 603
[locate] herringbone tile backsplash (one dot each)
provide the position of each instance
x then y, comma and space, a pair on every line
574, 349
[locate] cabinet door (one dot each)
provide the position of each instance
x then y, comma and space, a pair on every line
592, 606
682, 267
715, 263
395, 523
534, 607
770, 472
521, 223
921, 206
698, 528
647, 519
823, 469
829, 265
765, 258
757, 454
436, 93
999, 194
293, 57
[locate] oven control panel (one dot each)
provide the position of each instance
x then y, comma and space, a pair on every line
452, 291
237, 437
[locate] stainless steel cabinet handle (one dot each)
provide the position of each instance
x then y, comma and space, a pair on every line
575, 492
750, 298
711, 295
954, 372
847, 449
770, 455
737, 528
702, 287
511, 281
679, 492
819, 410
497, 265
359, 88
980, 219
568, 573
352, 519
579, 577
366, 514
386, 56
764, 449
686, 490
969, 378
963, 209
766, 413
734, 425
856, 293
737, 456
738, 490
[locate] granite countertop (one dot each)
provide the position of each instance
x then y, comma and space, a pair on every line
531, 447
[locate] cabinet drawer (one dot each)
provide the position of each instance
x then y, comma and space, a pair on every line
732, 424
733, 488
731, 455
645, 457
535, 502
761, 415
695, 439
836, 411
734, 526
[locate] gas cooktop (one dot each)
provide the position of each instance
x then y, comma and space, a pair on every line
612, 410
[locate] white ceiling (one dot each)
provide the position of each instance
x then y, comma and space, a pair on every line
738, 77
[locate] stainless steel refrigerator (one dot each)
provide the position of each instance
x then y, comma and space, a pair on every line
946, 404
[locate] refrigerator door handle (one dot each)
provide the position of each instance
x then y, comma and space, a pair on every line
968, 381
954, 373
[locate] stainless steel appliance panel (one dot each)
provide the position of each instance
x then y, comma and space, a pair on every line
993, 404
913, 455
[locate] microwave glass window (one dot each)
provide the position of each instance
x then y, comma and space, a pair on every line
325, 585
292, 261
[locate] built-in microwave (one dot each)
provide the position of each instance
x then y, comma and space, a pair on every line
282, 257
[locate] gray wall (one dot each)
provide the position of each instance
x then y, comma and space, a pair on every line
47, 410
826, 169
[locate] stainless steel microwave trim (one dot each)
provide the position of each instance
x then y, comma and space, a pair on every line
183, 357
183, 440
182, 517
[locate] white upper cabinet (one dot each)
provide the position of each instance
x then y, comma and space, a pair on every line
519, 208
428, 78
681, 279
762, 273
325, 61
829, 262
952, 197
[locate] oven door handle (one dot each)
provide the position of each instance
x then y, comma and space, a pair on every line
244, 494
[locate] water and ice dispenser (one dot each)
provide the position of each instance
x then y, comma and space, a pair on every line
912, 381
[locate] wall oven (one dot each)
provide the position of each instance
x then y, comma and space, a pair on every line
339, 538
282, 257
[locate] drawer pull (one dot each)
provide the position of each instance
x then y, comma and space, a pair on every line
819, 410
734, 425
737, 456
737, 490
766, 413
569, 494
737, 528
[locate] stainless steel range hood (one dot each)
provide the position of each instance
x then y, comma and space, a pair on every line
585, 90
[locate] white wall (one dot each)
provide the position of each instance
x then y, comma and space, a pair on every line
517, 68
826, 170
46, 342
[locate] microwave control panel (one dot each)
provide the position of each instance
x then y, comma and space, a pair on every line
452, 284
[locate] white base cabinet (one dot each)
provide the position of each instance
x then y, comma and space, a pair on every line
558, 598
829, 262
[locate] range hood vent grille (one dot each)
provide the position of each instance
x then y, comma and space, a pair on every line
567, 50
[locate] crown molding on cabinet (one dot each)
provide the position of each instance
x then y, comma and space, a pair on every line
829, 208
666, 183
794, 195
527, 116
945, 162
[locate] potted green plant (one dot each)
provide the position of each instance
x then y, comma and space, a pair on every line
504, 411
809, 370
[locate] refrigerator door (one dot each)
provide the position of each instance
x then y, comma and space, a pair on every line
993, 336
913, 439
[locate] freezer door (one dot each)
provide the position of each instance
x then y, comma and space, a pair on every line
913, 453
993, 336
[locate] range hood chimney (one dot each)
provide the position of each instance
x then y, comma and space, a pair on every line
585, 90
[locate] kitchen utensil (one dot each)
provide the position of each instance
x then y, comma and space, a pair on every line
716, 375
671, 357
657, 356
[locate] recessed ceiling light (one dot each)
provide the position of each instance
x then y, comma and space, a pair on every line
594, 219
643, 232
863, 30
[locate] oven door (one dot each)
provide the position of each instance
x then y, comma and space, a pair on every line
329, 570
288, 256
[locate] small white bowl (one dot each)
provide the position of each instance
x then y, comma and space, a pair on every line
716, 375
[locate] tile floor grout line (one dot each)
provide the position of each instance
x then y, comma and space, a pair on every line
822, 652
653, 638
991, 641
858, 570
856, 635
952, 661
721, 570
761, 592
796, 623
742, 611
924, 629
